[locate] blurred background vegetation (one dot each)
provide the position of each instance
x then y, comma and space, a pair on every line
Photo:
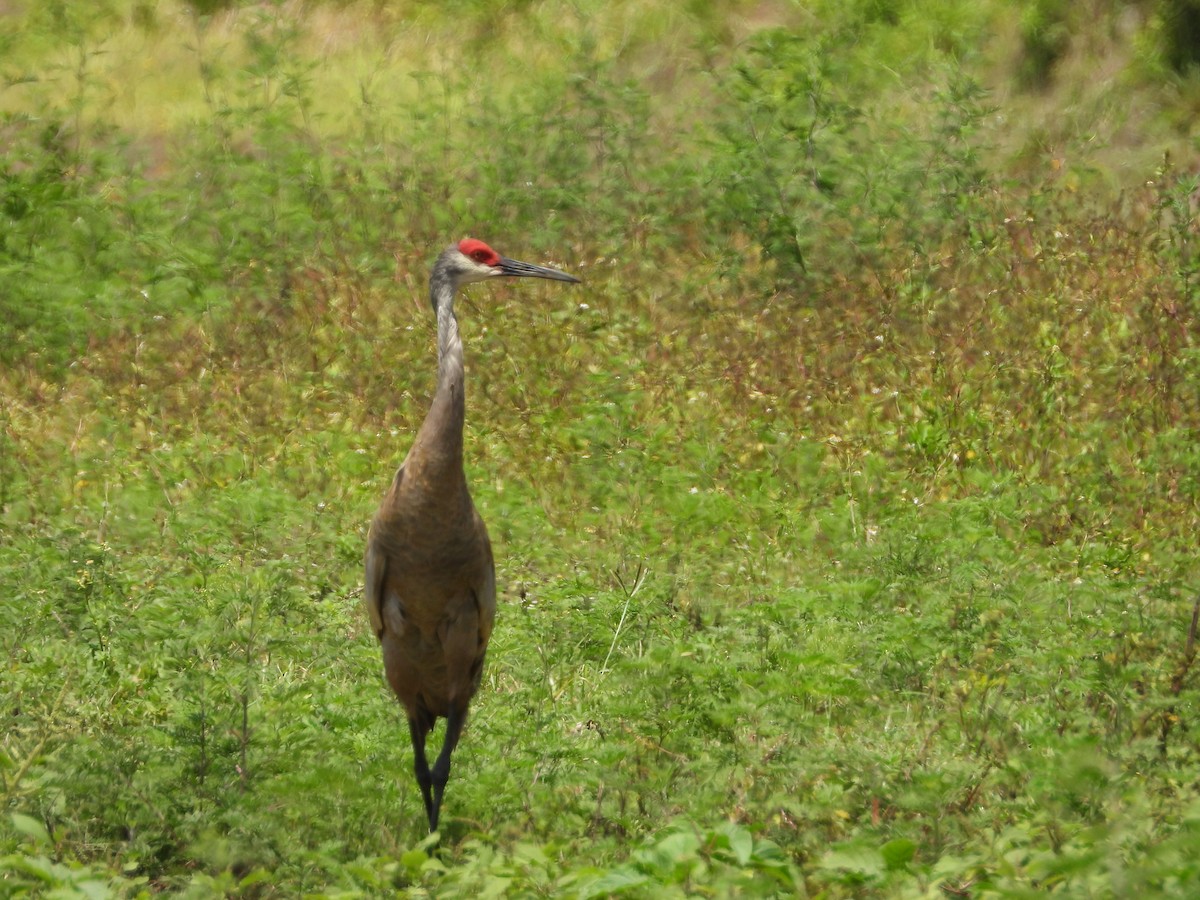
846, 518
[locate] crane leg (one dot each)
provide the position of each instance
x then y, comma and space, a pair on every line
441, 767
418, 730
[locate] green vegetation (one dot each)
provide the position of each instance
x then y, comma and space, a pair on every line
845, 517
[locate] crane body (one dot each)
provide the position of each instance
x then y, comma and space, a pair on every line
430, 582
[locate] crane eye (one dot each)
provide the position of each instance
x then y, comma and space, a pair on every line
480, 256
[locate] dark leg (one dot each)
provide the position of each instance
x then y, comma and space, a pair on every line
441, 768
418, 730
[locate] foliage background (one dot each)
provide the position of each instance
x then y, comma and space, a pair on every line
845, 517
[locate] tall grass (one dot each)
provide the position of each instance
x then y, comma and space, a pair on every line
845, 523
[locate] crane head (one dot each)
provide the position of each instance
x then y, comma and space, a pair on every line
473, 260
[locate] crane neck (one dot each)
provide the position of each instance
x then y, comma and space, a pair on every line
438, 449
450, 349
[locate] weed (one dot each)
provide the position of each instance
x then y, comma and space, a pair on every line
845, 528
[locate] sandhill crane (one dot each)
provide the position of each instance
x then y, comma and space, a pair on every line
430, 579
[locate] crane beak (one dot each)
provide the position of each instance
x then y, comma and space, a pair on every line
515, 269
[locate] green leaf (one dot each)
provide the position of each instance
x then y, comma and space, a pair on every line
30, 827
673, 856
898, 853
91, 889
855, 859
741, 843
256, 877
433, 864
769, 855
36, 866
615, 882
413, 860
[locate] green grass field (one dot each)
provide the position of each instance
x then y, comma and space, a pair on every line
845, 517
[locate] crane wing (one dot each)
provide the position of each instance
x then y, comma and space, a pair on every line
375, 564
376, 572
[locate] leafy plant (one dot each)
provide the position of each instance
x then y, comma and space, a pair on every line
845, 523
